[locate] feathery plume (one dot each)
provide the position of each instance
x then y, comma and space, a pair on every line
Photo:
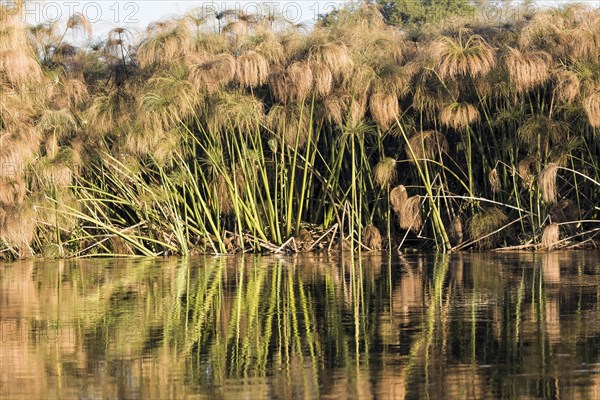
252, 69
459, 115
484, 224
79, 21
19, 68
385, 171
426, 145
494, 180
12, 192
567, 86
384, 109
527, 70
291, 122
410, 214
235, 110
334, 108
19, 227
591, 105
548, 183
550, 236
524, 171
69, 94
293, 83
323, 79
456, 231
398, 197
166, 42
372, 237
334, 55
544, 127
465, 55
211, 72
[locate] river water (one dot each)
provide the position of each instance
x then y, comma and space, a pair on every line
464, 326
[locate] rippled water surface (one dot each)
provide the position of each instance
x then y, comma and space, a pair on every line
518, 325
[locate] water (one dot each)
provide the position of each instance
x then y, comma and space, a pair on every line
425, 326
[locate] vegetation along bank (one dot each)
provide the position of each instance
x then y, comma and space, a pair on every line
234, 132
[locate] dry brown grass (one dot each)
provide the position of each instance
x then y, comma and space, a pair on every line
291, 122
582, 41
212, 72
54, 174
323, 79
334, 109
236, 29
51, 145
459, 115
105, 113
59, 123
550, 237
293, 83
384, 109
12, 192
139, 141
267, 43
19, 67
165, 43
15, 155
293, 43
356, 111
79, 21
456, 231
464, 55
70, 94
484, 224
385, 171
300, 77
19, 228
372, 238
591, 105
54, 171
410, 214
547, 183
426, 145
494, 180
568, 85
234, 110
167, 149
13, 109
334, 55
525, 173
252, 69
528, 69
360, 83
398, 197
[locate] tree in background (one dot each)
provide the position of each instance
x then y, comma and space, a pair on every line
411, 12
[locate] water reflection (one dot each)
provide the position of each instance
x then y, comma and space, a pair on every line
521, 325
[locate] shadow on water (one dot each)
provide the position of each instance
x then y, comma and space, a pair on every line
518, 325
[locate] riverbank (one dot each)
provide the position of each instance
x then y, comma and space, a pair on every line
246, 133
